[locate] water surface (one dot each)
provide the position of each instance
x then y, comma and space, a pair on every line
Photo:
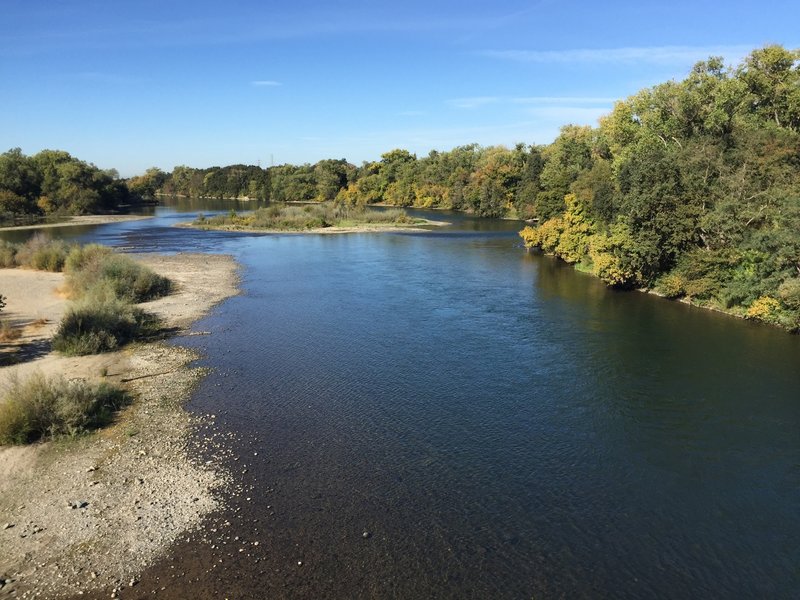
498, 424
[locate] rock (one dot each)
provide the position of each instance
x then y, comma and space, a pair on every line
8, 525
366, 535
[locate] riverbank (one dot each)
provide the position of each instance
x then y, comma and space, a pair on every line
80, 220
89, 514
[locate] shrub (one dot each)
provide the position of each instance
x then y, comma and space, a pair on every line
530, 236
96, 326
42, 253
80, 257
789, 292
671, 285
42, 407
117, 275
764, 309
8, 254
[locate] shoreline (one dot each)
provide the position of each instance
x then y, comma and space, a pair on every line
80, 220
685, 300
138, 488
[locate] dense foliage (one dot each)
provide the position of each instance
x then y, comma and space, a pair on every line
692, 189
54, 183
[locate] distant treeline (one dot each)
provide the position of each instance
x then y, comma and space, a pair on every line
690, 188
53, 182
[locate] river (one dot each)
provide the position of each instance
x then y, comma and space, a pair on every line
443, 415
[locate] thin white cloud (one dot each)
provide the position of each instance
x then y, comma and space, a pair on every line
265, 83
668, 55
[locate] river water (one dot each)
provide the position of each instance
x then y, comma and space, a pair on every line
443, 415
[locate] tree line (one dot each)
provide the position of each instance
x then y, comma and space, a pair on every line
54, 182
690, 188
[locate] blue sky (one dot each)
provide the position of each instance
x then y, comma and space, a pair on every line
134, 84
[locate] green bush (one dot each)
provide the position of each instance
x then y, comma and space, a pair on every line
8, 254
42, 253
42, 407
670, 285
95, 266
93, 326
789, 293
80, 257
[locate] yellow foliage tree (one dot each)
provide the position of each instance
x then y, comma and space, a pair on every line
573, 244
765, 308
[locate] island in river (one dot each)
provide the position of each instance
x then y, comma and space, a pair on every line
313, 218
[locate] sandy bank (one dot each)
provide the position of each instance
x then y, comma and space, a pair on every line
136, 487
81, 220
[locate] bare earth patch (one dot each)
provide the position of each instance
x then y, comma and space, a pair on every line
86, 514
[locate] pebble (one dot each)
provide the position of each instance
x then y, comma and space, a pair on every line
366, 535
8, 525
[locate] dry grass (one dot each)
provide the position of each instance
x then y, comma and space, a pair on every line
41, 407
8, 332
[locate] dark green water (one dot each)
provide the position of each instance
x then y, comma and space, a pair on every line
501, 425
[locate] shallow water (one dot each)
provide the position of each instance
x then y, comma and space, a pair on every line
496, 422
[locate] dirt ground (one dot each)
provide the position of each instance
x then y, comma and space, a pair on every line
86, 514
